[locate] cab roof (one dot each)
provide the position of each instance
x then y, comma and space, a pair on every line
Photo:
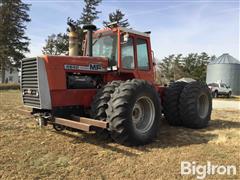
123, 29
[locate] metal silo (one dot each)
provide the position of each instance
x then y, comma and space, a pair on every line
227, 70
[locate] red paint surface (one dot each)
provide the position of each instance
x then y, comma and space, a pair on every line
61, 96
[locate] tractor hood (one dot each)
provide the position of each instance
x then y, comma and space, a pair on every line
76, 63
46, 80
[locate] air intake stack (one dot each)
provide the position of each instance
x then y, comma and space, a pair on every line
73, 40
89, 28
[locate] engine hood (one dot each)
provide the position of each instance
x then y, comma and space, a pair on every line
76, 63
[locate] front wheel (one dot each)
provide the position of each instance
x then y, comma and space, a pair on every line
134, 113
229, 94
100, 104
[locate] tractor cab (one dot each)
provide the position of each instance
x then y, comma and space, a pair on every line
128, 51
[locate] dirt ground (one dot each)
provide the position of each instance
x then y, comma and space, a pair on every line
27, 152
226, 104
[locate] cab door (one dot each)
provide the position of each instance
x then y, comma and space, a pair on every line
144, 63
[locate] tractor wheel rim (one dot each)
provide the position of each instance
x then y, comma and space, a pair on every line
203, 105
143, 114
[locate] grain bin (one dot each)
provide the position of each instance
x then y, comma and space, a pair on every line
227, 70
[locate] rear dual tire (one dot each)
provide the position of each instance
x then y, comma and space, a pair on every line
195, 105
171, 103
188, 104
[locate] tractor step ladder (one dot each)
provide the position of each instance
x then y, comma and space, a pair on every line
81, 123
76, 122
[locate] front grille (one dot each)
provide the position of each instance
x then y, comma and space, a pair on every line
29, 83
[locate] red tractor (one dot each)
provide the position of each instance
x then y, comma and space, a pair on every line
111, 89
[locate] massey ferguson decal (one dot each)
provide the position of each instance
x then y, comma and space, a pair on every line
95, 67
90, 67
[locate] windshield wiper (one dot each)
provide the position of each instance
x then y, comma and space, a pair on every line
99, 36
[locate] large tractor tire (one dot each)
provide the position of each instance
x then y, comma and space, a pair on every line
195, 105
134, 113
100, 104
171, 103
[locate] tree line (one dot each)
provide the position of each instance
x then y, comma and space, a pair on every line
14, 42
174, 67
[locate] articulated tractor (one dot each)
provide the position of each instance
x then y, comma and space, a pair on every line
111, 89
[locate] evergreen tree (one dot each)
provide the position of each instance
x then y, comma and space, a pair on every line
13, 41
90, 12
118, 17
88, 15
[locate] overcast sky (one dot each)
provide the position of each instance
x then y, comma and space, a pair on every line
177, 26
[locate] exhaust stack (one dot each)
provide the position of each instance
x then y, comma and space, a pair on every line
90, 28
73, 40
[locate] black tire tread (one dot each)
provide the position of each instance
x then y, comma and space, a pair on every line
187, 105
119, 106
100, 102
171, 103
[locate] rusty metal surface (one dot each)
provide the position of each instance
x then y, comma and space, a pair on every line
76, 122
72, 124
91, 122
24, 111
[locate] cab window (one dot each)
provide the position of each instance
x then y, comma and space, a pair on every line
142, 54
105, 46
127, 54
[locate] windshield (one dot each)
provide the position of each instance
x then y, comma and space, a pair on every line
106, 46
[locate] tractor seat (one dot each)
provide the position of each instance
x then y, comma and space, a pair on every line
127, 62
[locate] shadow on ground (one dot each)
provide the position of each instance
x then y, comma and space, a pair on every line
167, 137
